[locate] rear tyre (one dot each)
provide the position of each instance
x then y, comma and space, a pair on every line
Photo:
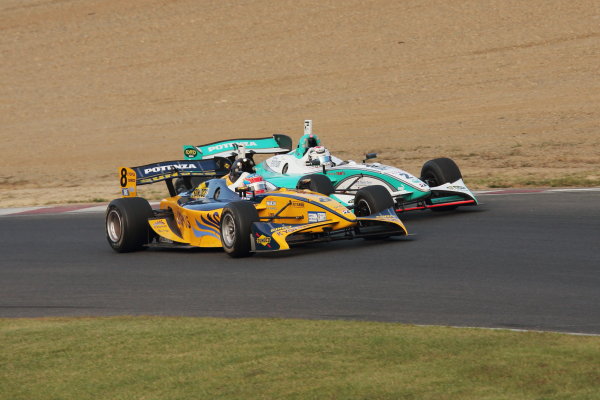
316, 183
439, 171
372, 199
127, 227
236, 228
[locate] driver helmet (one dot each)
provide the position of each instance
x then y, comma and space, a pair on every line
255, 184
322, 154
240, 166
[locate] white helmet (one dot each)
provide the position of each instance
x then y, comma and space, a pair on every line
320, 153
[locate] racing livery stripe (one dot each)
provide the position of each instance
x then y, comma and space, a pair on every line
311, 202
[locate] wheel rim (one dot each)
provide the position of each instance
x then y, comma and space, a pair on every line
228, 230
114, 225
362, 208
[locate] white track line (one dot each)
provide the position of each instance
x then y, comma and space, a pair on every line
509, 329
8, 211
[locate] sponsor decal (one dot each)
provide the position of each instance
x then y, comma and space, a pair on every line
164, 168
346, 211
324, 199
191, 153
403, 175
283, 230
275, 162
271, 203
316, 216
263, 240
125, 192
297, 204
227, 146
200, 192
456, 188
386, 217
160, 226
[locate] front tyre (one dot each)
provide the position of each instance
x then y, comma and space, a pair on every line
371, 200
439, 171
316, 183
236, 228
126, 226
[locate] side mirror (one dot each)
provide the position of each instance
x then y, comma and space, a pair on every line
369, 156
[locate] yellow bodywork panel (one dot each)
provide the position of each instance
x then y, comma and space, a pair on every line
161, 227
282, 233
289, 212
198, 228
299, 211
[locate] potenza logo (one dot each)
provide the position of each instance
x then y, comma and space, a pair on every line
165, 168
227, 146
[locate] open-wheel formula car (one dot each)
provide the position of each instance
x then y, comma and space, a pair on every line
439, 187
243, 217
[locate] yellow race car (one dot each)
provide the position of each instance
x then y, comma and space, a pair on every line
244, 217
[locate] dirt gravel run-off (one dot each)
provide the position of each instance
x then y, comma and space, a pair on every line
510, 89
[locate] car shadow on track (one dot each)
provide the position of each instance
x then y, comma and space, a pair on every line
430, 215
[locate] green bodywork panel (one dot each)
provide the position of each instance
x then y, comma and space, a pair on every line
337, 176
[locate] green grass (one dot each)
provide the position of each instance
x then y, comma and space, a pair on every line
199, 358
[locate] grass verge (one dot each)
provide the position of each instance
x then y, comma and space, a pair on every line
201, 358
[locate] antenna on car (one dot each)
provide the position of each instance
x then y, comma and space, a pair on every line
241, 149
369, 156
308, 126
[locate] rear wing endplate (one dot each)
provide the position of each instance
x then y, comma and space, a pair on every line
131, 177
277, 144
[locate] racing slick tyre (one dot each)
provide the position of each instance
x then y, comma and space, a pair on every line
236, 224
127, 227
439, 171
372, 199
316, 183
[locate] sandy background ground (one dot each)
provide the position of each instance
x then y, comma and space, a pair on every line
508, 88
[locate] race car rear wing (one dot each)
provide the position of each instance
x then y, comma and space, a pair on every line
277, 144
130, 178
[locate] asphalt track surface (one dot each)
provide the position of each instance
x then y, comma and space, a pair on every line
519, 261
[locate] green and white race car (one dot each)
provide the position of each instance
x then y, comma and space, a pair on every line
311, 166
